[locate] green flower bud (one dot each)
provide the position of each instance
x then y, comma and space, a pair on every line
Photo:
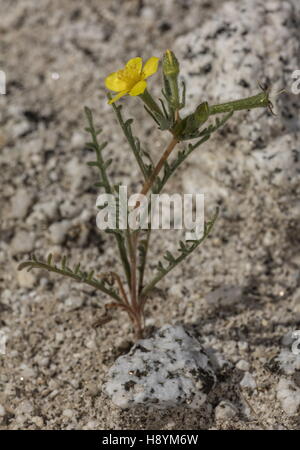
170, 64
170, 67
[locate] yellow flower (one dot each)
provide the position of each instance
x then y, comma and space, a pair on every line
131, 79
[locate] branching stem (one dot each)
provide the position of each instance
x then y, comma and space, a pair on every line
148, 184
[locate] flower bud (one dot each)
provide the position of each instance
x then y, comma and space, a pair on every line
170, 64
171, 70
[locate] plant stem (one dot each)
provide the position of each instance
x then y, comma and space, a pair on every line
139, 330
143, 263
123, 255
134, 238
121, 287
148, 184
150, 102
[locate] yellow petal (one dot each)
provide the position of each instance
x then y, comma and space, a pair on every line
113, 82
150, 67
116, 97
134, 65
138, 88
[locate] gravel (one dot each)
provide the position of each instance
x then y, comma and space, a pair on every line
57, 357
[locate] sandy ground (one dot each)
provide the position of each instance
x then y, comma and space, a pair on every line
56, 55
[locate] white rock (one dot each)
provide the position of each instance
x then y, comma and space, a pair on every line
26, 371
20, 204
69, 209
68, 413
148, 14
289, 396
176, 290
91, 344
77, 171
22, 242
20, 128
222, 60
2, 411
248, 381
73, 303
38, 421
217, 360
48, 209
59, 337
54, 393
91, 425
75, 383
58, 231
225, 411
225, 56
36, 146
42, 361
25, 407
288, 339
169, 369
279, 160
288, 361
2, 257
25, 279
243, 365
63, 291
78, 140
243, 346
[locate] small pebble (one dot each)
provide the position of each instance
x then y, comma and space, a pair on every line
289, 396
2, 411
68, 413
38, 421
21, 202
225, 410
22, 242
248, 381
243, 365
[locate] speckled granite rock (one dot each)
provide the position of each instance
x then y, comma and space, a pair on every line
289, 357
243, 44
167, 370
288, 393
288, 360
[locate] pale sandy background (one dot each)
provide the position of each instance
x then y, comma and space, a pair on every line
56, 55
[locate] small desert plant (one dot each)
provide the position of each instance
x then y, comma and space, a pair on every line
133, 244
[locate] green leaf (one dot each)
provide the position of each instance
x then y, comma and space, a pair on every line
77, 274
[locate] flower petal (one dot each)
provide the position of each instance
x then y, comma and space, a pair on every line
135, 65
116, 97
113, 82
138, 88
150, 67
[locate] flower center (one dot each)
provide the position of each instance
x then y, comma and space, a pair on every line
129, 76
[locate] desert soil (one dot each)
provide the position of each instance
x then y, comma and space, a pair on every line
56, 55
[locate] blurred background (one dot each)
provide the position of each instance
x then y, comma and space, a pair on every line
242, 290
